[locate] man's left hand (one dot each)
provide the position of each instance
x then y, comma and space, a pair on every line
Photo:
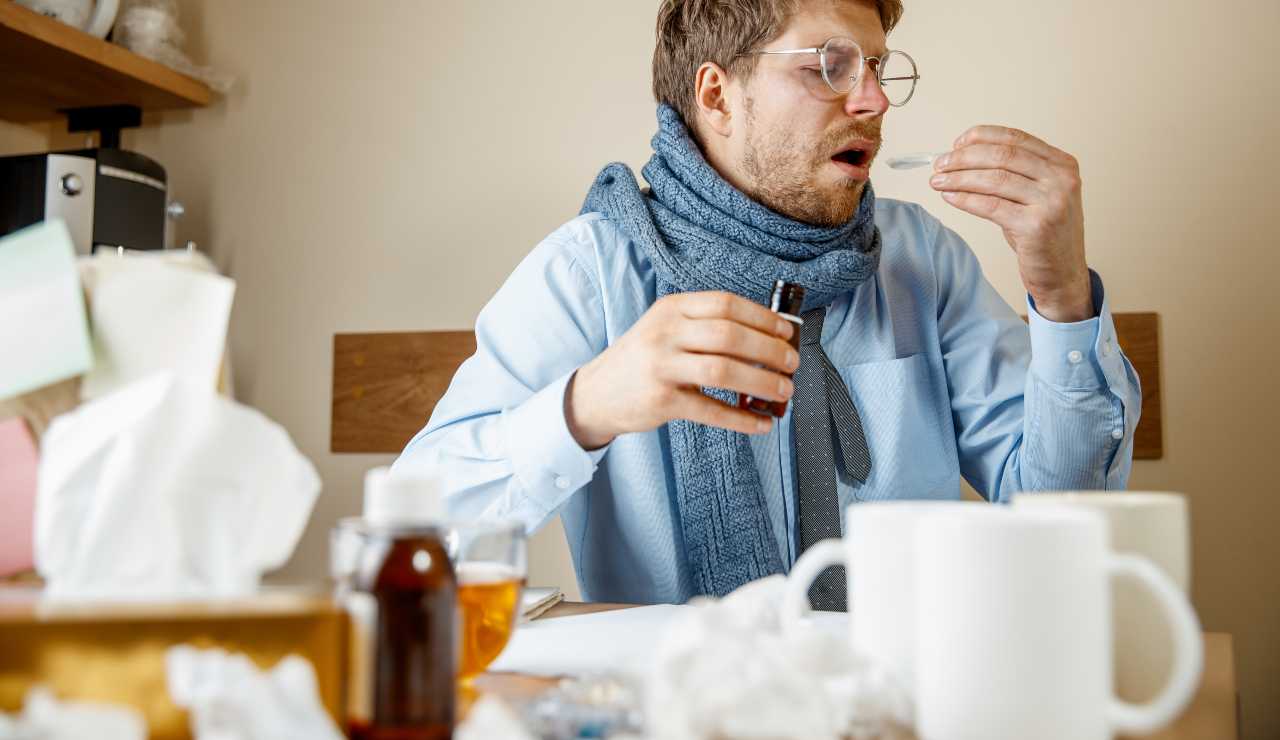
1032, 192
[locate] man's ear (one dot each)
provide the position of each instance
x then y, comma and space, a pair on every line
711, 95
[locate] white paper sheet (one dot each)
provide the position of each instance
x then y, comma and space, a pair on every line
536, 601
619, 641
151, 317
44, 337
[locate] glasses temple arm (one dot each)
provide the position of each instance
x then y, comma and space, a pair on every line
790, 51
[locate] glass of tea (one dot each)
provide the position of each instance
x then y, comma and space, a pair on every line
490, 562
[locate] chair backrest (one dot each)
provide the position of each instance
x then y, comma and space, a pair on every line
1139, 337
386, 385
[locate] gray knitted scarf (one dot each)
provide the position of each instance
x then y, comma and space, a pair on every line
701, 233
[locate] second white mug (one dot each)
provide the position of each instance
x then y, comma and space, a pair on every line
956, 599
1154, 526
1014, 632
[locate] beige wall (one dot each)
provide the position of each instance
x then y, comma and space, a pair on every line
384, 165
22, 139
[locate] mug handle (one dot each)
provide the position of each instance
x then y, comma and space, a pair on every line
103, 18
795, 597
1188, 643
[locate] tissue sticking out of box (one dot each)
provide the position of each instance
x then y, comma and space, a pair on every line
164, 490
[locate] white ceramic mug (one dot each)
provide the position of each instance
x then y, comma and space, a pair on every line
1154, 526
879, 556
1013, 629
94, 18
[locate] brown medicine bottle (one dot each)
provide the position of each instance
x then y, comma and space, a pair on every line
402, 608
785, 300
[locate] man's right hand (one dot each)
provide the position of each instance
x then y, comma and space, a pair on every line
684, 342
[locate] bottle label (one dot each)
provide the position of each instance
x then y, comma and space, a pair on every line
362, 616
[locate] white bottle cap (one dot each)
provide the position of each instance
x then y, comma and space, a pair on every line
406, 498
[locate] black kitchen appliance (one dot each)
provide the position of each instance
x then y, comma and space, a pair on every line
108, 197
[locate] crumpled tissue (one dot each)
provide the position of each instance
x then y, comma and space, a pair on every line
490, 718
164, 489
727, 669
231, 699
45, 718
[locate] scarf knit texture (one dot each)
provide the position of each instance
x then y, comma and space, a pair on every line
701, 233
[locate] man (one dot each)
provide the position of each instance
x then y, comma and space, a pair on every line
607, 366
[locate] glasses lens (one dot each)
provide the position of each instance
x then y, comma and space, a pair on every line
842, 59
897, 77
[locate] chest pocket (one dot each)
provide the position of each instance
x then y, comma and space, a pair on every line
906, 416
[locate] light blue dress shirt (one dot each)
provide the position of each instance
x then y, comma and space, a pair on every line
948, 380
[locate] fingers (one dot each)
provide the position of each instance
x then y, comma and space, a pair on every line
702, 409
995, 157
716, 371
725, 337
1000, 183
1002, 135
1004, 213
1007, 176
722, 305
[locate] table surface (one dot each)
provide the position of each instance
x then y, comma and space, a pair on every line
1211, 714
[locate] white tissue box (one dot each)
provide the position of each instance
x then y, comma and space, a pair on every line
115, 652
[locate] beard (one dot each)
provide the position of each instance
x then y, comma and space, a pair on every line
785, 174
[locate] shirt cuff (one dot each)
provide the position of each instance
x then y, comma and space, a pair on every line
1067, 354
549, 462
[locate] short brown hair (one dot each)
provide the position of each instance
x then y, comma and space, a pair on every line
691, 32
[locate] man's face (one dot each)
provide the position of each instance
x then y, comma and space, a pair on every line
796, 146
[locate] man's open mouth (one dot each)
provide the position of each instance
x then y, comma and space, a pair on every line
858, 154
855, 157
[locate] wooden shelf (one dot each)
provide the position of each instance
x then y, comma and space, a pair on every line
47, 66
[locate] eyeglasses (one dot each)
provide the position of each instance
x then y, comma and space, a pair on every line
842, 64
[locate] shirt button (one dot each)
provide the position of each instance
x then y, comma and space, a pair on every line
1074, 357
562, 482
1117, 434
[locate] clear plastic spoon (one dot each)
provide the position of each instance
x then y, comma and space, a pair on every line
912, 161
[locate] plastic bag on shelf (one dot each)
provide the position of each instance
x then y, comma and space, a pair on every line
150, 28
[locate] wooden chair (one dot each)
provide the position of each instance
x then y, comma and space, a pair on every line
386, 385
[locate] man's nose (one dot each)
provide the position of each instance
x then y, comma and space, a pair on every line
866, 99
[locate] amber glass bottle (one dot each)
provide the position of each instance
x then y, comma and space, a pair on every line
785, 300
402, 607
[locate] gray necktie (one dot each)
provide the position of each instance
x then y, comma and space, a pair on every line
822, 415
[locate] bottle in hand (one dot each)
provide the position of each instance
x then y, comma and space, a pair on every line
786, 300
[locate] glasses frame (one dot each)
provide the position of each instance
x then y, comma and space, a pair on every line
863, 59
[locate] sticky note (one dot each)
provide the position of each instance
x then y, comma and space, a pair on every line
18, 461
150, 317
44, 334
